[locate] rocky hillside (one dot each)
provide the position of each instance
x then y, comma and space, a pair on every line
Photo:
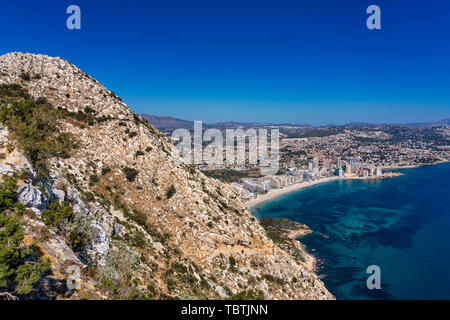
102, 192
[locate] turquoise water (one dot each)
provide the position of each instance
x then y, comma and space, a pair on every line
401, 224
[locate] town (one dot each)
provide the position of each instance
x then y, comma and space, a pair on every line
314, 171
313, 155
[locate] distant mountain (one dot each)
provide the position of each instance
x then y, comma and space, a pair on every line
439, 123
233, 124
415, 125
358, 124
168, 124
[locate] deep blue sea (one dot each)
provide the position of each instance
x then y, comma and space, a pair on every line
401, 224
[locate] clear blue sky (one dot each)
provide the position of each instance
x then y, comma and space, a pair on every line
274, 61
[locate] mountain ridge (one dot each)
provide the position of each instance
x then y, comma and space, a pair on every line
147, 225
167, 123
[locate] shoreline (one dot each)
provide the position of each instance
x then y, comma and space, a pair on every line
312, 261
272, 194
275, 193
412, 166
279, 192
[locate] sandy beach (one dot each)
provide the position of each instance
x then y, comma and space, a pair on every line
279, 192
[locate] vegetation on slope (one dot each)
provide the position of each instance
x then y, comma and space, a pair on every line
34, 125
75, 228
19, 267
278, 231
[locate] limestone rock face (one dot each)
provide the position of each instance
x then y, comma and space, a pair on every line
6, 169
58, 194
98, 247
31, 197
199, 241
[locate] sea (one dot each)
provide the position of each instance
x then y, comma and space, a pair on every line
401, 225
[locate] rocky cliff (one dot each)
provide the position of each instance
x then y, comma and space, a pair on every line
137, 222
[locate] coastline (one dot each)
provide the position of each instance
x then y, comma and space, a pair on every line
279, 192
412, 166
275, 193
312, 261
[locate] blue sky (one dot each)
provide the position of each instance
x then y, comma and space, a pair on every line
270, 61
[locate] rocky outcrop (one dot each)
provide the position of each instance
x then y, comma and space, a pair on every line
31, 197
163, 229
98, 247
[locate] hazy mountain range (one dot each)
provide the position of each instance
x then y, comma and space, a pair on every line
166, 123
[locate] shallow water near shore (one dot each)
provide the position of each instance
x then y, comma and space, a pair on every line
401, 224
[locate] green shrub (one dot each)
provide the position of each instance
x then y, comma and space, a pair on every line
170, 192
8, 194
273, 279
27, 274
178, 267
141, 219
76, 228
132, 134
139, 153
56, 213
137, 119
89, 196
204, 284
130, 173
112, 94
25, 76
93, 179
117, 274
35, 128
88, 109
41, 100
152, 290
12, 92
19, 270
248, 295
171, 285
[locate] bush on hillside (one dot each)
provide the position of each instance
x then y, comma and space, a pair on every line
35, 129
19, 269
